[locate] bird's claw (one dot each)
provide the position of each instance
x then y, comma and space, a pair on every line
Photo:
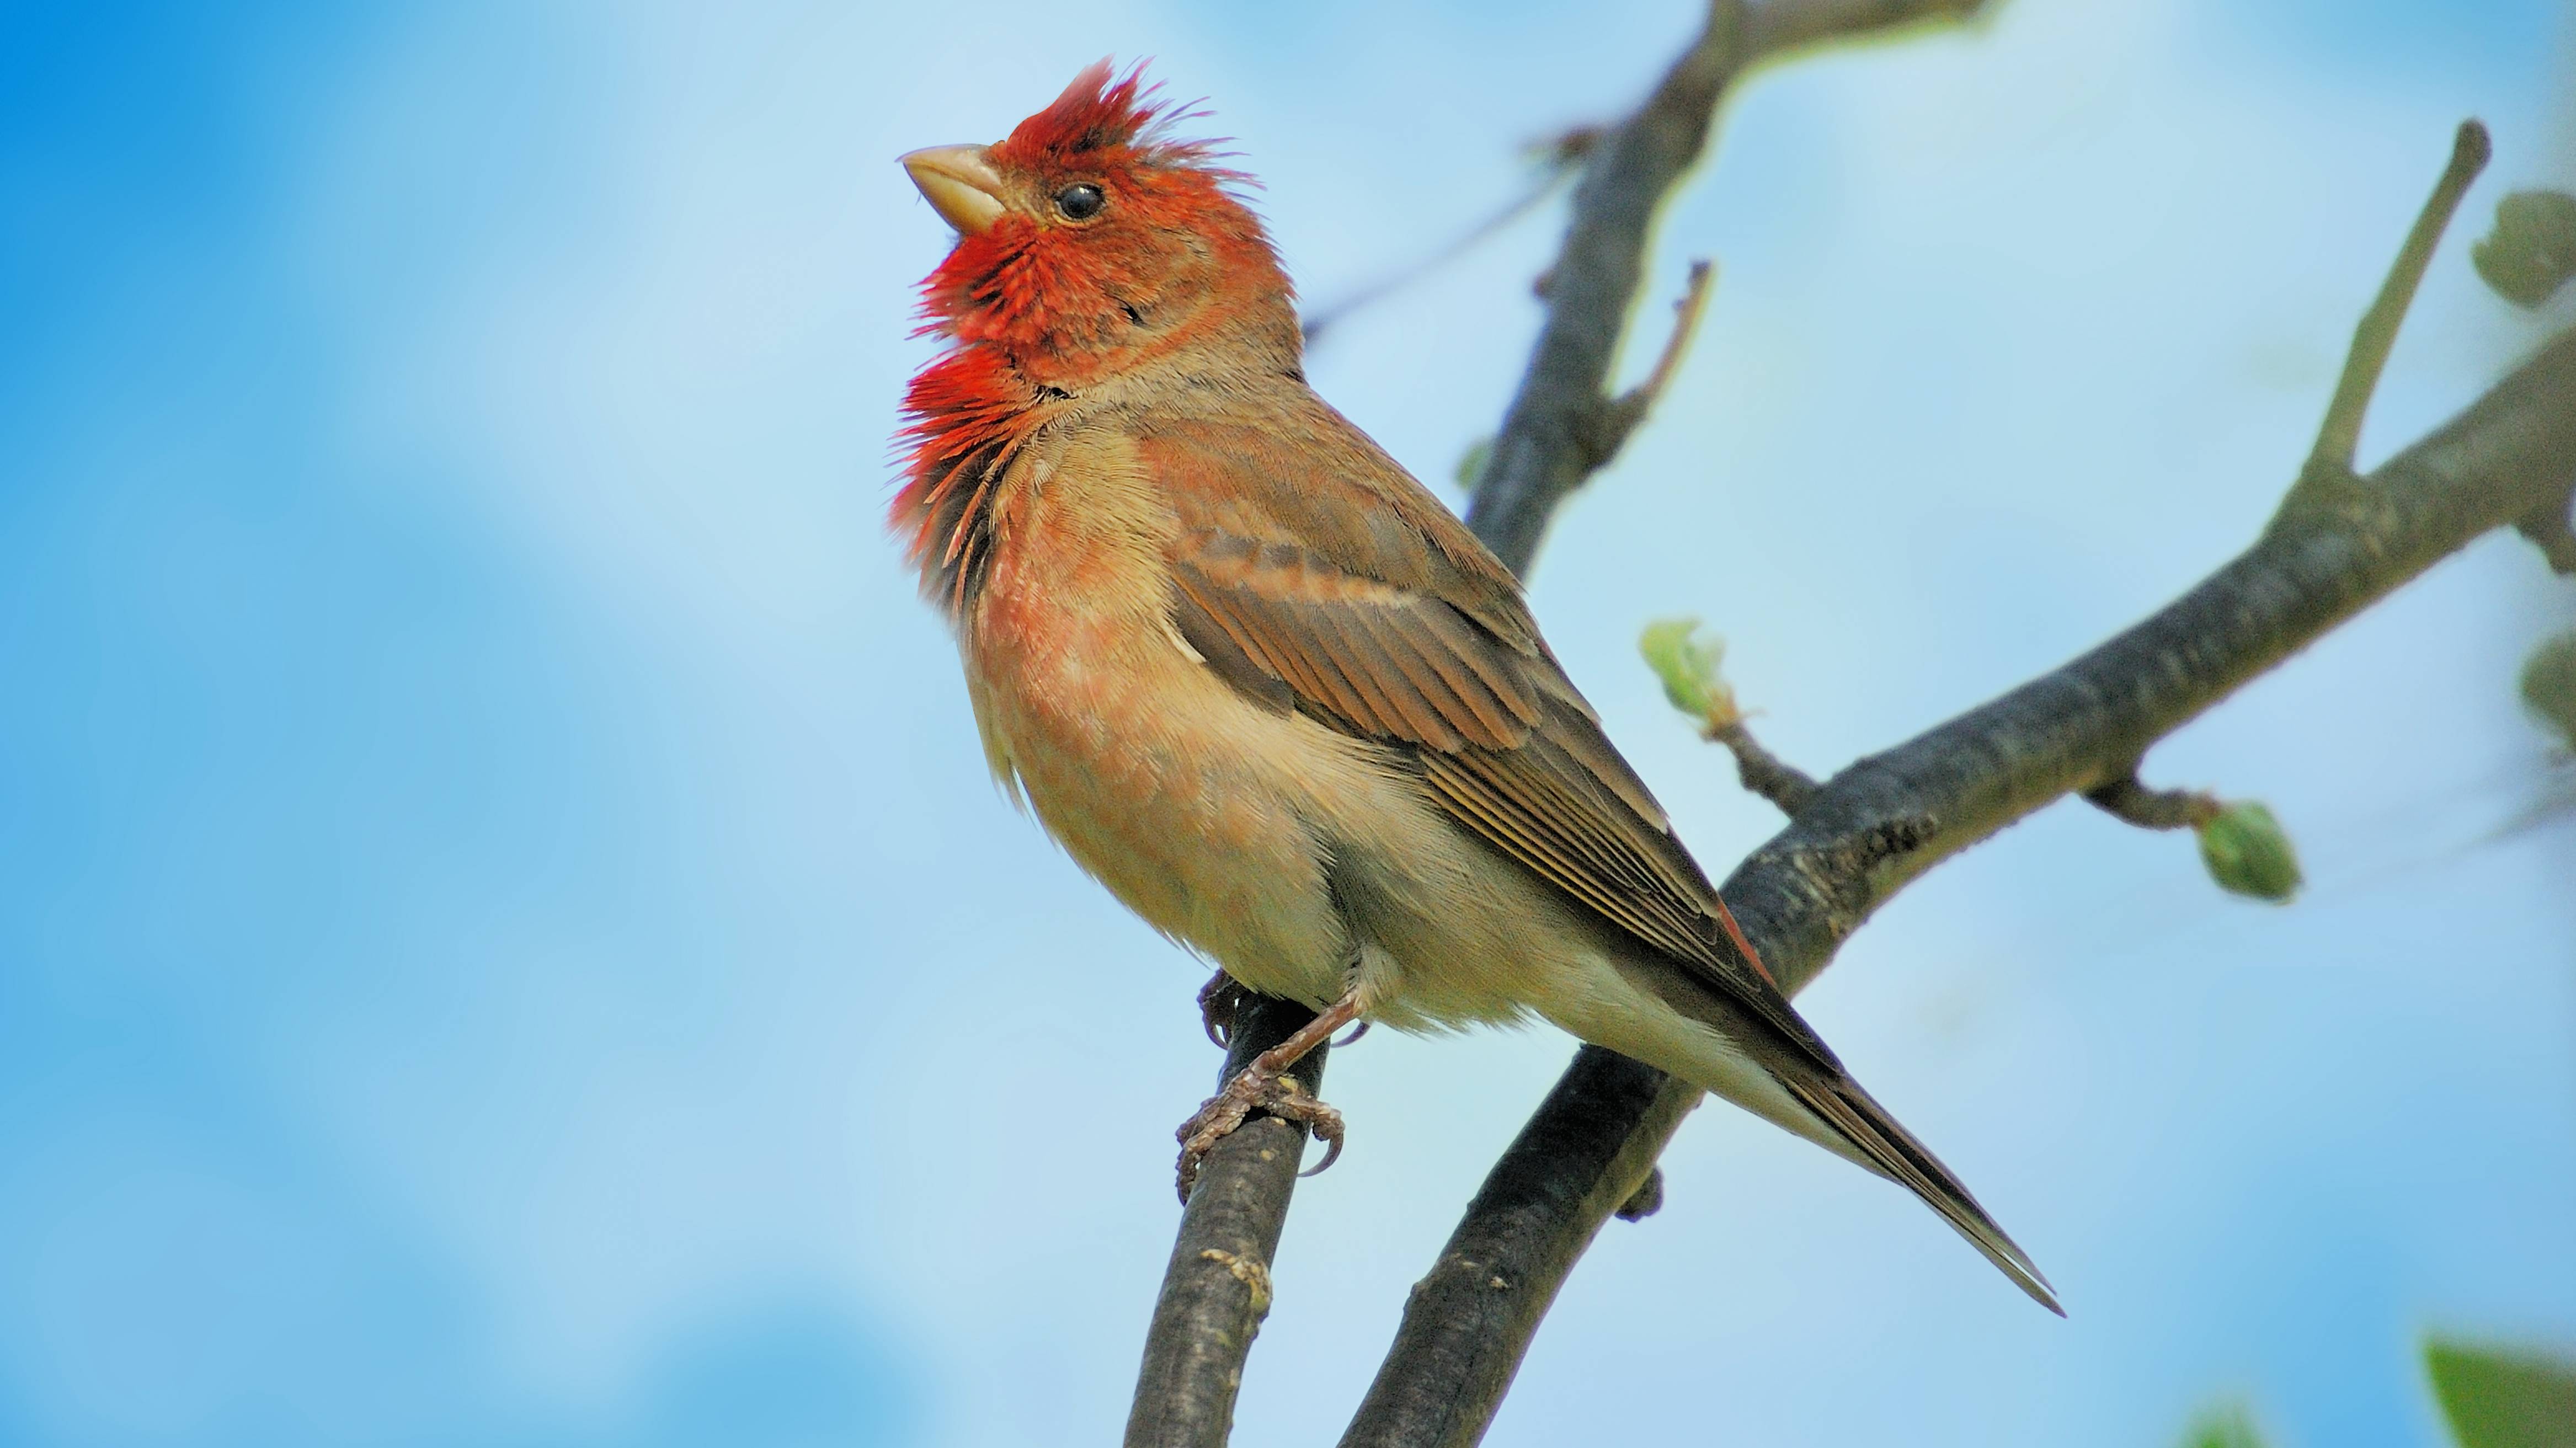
1219, 999
1255, 1090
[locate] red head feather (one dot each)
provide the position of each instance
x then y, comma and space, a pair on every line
1043, 291
1043, 308
1097, 116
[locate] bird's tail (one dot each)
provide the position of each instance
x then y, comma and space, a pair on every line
1892, 1151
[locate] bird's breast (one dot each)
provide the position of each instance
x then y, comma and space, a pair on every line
1194, 806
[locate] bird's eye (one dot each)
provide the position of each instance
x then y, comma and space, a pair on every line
1079, 202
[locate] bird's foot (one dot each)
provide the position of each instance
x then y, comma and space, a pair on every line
1219, 999
1255, 1089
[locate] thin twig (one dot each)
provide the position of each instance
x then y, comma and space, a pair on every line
2153, 809
1561, 156
1629, 408
2376, 335
1763, 772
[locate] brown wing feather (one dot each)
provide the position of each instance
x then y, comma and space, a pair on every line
1405, 631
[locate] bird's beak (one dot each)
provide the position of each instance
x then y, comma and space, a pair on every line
959, 184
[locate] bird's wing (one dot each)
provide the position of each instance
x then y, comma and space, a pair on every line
1315, 575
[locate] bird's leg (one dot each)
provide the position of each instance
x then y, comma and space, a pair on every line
1219, 999
1265, 1085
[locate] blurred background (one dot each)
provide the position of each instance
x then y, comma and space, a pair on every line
505, 937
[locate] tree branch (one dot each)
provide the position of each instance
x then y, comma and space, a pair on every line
2069, 731
1216, 1289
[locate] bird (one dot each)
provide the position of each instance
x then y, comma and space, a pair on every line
1263, 685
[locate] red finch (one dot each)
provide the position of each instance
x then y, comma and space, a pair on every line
1263, 686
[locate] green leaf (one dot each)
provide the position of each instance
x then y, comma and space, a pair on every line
2503, 1397
2549, 685
2248, 853
2228, 1425
2532, 251
1471, 463
1687, 667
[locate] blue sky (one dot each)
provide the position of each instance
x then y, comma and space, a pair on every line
504, 937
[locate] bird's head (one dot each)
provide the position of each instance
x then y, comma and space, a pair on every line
1090, 240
